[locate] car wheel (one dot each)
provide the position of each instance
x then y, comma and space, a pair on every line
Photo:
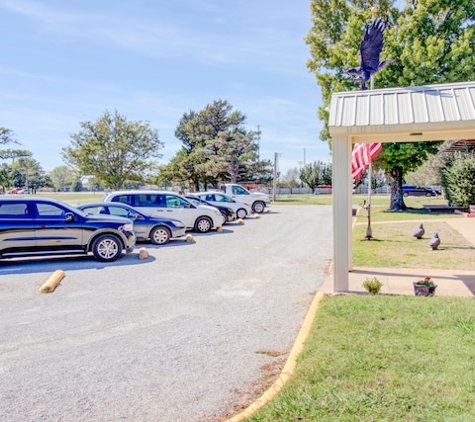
258, 207
160, 235
405, 194
241, 213
428, 194
107, 248
203, 225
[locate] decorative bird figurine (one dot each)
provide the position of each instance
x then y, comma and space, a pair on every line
435, 241
419, 232
370, 49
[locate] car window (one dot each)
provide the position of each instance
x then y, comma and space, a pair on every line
149, 200
94, 210
121, 212
195, 201
209, 197
14, 210
223, 198
173, 201
124, 199
238, 190
49, 211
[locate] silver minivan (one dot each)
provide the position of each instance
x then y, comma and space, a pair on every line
201, 218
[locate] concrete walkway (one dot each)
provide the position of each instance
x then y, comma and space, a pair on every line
399, 280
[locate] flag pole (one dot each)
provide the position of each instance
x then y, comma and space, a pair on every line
369, 231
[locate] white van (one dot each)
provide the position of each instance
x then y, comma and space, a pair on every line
201, 218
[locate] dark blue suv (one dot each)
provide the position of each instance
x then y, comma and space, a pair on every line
40, 226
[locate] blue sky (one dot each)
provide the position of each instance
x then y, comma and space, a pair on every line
64, 62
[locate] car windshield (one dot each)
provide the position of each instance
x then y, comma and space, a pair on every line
73, 209
195, 201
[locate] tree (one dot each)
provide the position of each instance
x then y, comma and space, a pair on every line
4, 178
316, 173
290, 179
113, 149
60, 177
458, 175
260, 172
432, 40
216, 146
6, 136
26, 171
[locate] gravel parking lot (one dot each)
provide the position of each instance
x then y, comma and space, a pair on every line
185, 335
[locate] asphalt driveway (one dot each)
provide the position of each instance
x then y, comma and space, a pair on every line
181, 336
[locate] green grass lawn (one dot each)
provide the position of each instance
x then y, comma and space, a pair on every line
383, 358
388, 358
73, 197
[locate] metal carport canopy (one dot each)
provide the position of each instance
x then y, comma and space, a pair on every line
421, 113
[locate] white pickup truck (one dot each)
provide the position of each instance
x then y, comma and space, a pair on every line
256, 200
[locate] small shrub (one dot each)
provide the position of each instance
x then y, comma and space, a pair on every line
372, 285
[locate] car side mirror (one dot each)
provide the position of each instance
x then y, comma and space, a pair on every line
69, 217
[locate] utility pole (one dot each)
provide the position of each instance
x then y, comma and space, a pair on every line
276, 155
258, 143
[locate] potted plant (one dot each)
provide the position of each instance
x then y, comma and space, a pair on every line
424, 287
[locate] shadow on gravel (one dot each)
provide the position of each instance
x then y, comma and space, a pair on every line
81, 262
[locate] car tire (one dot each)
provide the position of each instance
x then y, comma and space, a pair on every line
107, 248
428, 194
203, 225
160, 235
405, 194
241, 213
258, 207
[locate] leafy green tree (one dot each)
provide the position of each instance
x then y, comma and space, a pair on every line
433, 41
60, 176
27, 172
216, 146
458, 177
316, 173
6, 136
4, 178
95, 185
260, 172
113, 149
290, 179
76, 186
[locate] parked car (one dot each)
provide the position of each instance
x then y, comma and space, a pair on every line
241, 209
41, 226
15, 190
417, 191
227, 213
158, 230
201, 218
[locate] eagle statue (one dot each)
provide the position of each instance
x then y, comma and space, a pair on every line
370, 49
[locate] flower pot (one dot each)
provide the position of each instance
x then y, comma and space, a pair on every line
422, 290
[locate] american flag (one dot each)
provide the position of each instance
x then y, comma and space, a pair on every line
361, 156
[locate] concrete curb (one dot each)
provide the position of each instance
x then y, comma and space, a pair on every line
289, 366
50, 285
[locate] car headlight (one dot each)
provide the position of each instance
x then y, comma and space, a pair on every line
230, 211
178, 224
129, 227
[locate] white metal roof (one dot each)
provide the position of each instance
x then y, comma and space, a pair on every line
405, 114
